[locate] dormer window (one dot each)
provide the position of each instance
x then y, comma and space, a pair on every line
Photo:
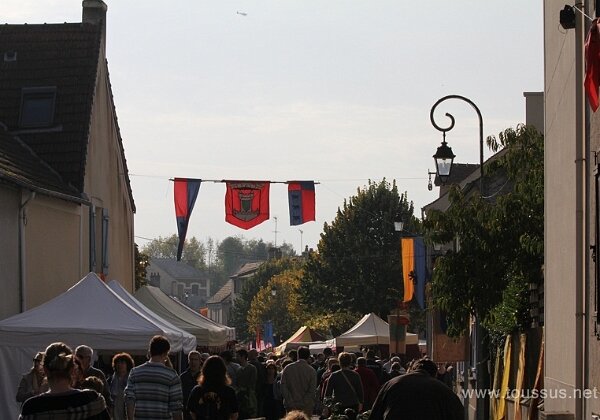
37, 107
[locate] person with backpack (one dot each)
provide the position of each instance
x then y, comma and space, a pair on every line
213, 398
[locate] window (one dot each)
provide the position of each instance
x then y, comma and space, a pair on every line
195, 289
37, 107
99, 240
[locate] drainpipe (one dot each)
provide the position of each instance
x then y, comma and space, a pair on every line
588, 207
580, 201
22, 272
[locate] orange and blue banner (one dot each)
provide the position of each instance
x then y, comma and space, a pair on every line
414, 269
301, 196
185, 192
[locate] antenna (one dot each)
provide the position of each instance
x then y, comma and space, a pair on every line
275, 231
301, 232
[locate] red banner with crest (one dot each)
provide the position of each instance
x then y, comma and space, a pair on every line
247, 203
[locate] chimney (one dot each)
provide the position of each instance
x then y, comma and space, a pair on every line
94, 11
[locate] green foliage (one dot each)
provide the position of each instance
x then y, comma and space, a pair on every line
500, 238
194, 252
252, 286
357, 267
142, 260
285, 309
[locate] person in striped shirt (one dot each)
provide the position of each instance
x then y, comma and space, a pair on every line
153, 390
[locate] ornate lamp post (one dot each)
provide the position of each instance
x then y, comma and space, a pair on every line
443, 164
444, 157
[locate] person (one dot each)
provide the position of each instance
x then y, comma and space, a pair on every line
83, 357
261, 377
189, 378
92, 382
272, 408
153, 389
387, 366
122, 363
62, 401
231, 366
33, 382
299, 384
246, 386
213, 398
374, 365
296, 415
397, 370
417, 395
327, 353
345, 385
332, 366
369, 382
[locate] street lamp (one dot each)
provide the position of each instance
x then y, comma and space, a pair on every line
274, 291
443, 159
444, 156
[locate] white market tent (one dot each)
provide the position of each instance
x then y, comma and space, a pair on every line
304, 336
370, 330
230, 330
88, 313
206, 332
188, 340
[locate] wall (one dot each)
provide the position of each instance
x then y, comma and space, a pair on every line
560, 211
52, 251
9, 251
106, 184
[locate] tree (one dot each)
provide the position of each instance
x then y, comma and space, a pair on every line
357, 268
239, 315
194, 252
501, 239
285, 309
142, 260
230, 254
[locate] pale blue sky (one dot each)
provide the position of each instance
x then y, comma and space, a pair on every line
338, 91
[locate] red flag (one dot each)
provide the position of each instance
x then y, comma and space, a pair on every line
247, 203
592, 65
301, 196
186, 191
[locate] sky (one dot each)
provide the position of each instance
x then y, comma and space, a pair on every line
335, 91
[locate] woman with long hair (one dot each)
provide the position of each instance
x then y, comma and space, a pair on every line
213, 398
62, 401
33, 382
122, 363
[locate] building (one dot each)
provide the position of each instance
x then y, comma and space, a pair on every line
66, 205
571, 185
219, 306
178, 279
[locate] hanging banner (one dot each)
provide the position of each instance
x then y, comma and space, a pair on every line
398, 325
247, 203
185, 193
420, 272
408, 267
301, 196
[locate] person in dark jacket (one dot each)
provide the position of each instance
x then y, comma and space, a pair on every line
417, 395
345, 385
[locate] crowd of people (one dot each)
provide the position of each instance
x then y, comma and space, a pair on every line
245, 384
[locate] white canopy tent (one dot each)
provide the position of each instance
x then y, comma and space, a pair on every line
370, 330
207, 333
188, 340
88, 313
